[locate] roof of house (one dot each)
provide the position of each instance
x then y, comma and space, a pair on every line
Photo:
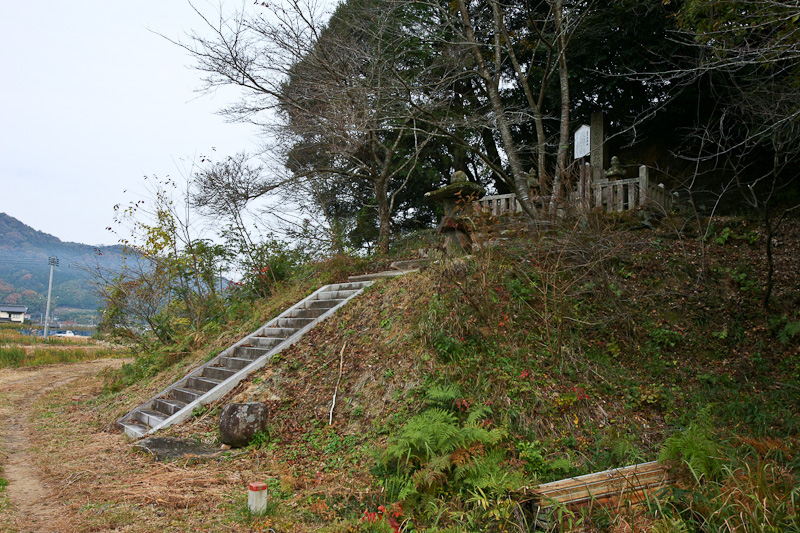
13, 308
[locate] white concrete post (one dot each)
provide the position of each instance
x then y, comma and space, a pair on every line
257, 497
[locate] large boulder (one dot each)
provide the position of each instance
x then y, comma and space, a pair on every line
240, 421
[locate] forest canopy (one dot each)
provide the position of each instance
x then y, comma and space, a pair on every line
366, 109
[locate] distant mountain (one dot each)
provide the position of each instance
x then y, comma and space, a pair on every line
24, 269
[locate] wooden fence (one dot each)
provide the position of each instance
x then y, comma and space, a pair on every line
499, 204
623, 195
608, 195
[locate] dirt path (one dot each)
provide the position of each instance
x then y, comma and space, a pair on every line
31, 496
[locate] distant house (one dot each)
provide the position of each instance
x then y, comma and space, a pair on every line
13, 313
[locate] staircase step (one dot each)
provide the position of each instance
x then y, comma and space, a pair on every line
236, 363
203, 384
306, 313
185, 394
149, 417
266, 343
354, 286
337, 295
167, 406
218, 372
381, 275
409, 265
249, 352
278, 333
322, 304
297, 323
134, 429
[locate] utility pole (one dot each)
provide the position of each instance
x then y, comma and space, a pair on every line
53, 262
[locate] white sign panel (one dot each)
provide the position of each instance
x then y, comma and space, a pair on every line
582, 142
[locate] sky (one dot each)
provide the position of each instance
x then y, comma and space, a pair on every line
91, 101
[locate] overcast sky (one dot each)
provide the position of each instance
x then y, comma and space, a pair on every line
91, 100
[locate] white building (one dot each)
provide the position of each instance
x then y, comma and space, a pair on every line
13, 313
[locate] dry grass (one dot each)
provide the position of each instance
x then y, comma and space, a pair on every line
105, 484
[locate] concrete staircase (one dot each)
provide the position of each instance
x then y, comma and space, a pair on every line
220, 375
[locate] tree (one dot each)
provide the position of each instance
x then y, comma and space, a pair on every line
332, 92
168, 282
223, 190
478, 85
360, 101
513, 71
748, 54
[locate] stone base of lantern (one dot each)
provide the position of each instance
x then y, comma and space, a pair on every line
457, 242
456, 235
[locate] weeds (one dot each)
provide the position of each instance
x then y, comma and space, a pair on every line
16, 357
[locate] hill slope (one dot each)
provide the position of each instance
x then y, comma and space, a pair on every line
24, 269
459, 387
543, 359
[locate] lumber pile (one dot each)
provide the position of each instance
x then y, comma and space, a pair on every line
618, 486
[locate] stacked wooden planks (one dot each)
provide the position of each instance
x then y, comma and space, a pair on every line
628, 485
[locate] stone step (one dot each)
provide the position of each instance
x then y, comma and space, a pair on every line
218, 372
249, 352
267, 343
298, 323
409, 265
351, 286
336, 295
279, 333
167, 406
202, 384
185, 394
377, 275
322, 304
149, 417
236, 363
134, 429
306, 313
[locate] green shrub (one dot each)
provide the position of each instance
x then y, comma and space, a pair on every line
696, 447
451, 454
16, 357
12, 357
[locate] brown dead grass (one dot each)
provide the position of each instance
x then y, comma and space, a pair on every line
105, 484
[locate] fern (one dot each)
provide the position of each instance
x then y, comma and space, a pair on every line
436, 454
425, 435
490, 474
443, 395
695, 446
789, 332
397, 487
478, 413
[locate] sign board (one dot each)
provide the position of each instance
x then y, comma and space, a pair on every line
582, 142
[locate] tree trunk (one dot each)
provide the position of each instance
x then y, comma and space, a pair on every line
563, 138
770, 233
491, 84
384, 214
384, 228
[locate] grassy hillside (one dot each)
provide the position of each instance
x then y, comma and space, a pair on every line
542, 357
24, 269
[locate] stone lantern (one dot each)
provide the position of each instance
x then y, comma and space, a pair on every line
616, 172
457, 198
